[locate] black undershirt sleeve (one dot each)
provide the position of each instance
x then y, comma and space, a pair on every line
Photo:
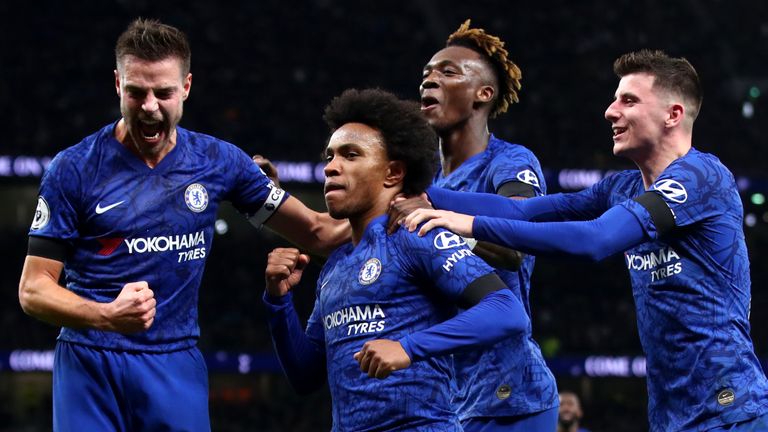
660, 212
47, 248
516, 189
479, 288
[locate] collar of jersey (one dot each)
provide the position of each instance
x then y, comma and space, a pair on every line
139, 165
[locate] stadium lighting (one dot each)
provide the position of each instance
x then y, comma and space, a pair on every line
757, 198
750, 220
221, 226
747, 110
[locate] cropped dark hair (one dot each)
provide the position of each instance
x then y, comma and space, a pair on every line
675, 75
407, 135
152, 40
507, 74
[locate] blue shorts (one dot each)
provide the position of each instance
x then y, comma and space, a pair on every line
545, 421
102, 390
758, 424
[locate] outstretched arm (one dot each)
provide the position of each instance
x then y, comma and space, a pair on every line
486, 204
615, 231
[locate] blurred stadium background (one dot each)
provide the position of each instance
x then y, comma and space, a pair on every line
263, 71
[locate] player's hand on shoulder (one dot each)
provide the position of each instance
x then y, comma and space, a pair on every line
268, 167
284, 269
402, 206
380, 357
459, 223
133, 310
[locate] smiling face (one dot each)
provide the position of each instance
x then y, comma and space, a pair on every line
356, 173
152, 95
637, 115
453, 82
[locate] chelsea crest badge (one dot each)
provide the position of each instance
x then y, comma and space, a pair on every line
369, 272
196, 197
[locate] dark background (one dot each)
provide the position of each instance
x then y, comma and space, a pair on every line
263, 72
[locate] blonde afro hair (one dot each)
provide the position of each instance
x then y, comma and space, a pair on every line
492, 48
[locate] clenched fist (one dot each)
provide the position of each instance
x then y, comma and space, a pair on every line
133, 310
284, 269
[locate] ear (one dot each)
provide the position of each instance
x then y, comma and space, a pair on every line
675, 115
187, 85
117, 82
395, 174
485, 93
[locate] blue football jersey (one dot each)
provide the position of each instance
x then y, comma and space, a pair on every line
510, 378
386, 287
692, 293
125, 222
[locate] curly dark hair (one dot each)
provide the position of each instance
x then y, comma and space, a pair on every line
675, 75
152, 40
407, 135
508, 74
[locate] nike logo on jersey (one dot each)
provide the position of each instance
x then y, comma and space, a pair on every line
100, 209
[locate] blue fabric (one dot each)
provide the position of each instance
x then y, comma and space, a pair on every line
385, 287
97, 390
496, 316
615, 231
691, 289
759, 424
301, 355
544, 421
157, 227
515, 362
540, 208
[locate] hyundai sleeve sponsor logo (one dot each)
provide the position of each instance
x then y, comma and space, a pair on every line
528, 177
671, 190
448, 240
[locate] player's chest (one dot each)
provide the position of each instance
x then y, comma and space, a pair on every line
365, 278
174, 202
658, 267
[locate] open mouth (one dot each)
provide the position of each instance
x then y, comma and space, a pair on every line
151, 131
428, 102
618, 131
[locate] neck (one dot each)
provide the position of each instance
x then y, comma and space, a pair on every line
359, 222
656, 160
459, 144
151, 156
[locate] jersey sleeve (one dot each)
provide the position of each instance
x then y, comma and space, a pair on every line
301, 354
443, 259
693, 188
586, 204
57, 216
518, 173
252, 192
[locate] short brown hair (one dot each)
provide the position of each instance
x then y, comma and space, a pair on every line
675, 75
152, 40
492, 49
